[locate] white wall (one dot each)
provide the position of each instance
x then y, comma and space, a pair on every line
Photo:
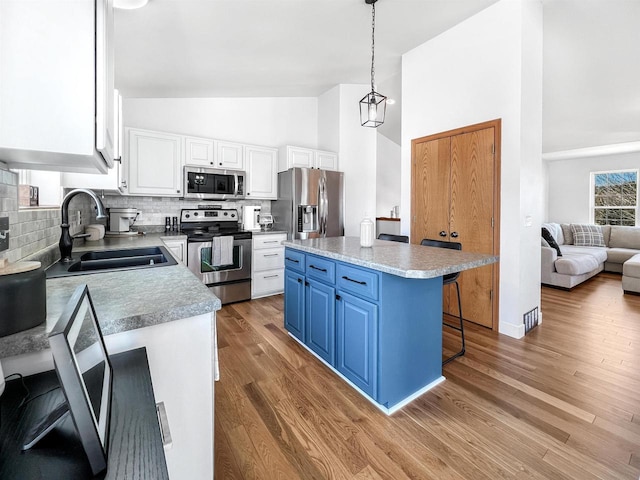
357, 160
569, 184
387, 176
260, 121
485, 68
339, 130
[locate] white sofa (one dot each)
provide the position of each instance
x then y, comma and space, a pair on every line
579, 263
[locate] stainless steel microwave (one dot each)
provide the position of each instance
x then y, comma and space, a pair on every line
213, 184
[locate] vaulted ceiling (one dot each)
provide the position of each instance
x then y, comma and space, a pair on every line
258, 48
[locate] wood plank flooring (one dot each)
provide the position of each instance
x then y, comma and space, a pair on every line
562, 403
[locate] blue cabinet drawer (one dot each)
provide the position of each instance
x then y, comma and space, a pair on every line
359, 281
294, 260
321, 269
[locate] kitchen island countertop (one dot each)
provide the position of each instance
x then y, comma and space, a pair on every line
124, 300
401, 259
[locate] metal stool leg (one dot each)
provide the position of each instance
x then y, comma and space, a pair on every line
460, 329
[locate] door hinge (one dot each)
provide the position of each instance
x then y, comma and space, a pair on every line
493, 148
491, 222
491, 295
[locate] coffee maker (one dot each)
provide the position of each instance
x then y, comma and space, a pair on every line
121, 219
251, 217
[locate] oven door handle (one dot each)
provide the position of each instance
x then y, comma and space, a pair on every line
202, 245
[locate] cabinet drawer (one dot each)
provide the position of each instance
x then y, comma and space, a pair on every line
267, 283
268, 259
294, 260
268, 241
321, 269
359, 281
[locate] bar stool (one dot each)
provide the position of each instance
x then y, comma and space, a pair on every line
393, 238
446, 280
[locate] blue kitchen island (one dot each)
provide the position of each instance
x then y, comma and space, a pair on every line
372, 315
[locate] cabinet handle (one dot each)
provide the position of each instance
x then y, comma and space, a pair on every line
338, 297
306, 283
271, 276
271, 241
443, 233
354, 281
163, 421
454, 234
318, 268
299, 280
292, 260
271, 255
177, 191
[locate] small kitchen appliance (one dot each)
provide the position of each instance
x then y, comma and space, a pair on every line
121, 219
213, 184
266, 222
251, 217
218, 251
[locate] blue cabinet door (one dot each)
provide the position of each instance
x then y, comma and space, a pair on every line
294, 303
320, 326
357, 341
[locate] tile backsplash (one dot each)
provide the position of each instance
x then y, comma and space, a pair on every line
31, 231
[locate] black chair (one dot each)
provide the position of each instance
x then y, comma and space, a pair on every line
446, 280
393, 238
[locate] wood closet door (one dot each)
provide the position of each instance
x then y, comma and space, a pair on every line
453, 192
432, 189
472, 190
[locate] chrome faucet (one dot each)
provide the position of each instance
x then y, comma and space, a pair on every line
66, 241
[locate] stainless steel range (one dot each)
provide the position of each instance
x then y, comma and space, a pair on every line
218, 251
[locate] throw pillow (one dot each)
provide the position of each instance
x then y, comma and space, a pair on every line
587, 235
566, 231
550, 240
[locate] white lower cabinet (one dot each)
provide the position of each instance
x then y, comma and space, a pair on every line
267, 266
178, 247
182, 375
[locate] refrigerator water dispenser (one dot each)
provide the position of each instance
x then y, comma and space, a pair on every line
307, 218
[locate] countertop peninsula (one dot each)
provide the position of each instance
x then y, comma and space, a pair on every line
401, 259
123, 300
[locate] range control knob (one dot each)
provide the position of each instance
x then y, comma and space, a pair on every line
226, 213
195, 214
233, 215
186, 215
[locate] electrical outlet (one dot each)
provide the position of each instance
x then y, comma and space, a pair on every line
4, 233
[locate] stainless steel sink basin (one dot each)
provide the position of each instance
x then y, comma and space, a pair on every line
113, 260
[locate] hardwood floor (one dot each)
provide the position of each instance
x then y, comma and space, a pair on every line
562, 403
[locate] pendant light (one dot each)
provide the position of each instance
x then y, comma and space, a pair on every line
373, 105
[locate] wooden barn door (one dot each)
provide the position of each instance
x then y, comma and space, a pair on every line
455, 197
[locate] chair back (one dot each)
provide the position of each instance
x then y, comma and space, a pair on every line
393, 238
427, 242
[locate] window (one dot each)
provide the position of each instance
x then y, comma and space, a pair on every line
615, 197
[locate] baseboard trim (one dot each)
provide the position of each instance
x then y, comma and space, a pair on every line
512, 330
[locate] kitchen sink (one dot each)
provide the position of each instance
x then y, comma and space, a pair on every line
112, 261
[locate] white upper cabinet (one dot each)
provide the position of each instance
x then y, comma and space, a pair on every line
56, 60
155, 162
199, 151
229, 155
262, 177
290, 157
325, 160
114, 179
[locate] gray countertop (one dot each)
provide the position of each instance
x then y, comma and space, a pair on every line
402, 259
123, 300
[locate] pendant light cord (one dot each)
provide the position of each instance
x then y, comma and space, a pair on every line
373, 42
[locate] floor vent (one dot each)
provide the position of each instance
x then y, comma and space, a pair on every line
530, 320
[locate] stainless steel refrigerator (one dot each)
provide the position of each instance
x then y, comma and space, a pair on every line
310, 203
